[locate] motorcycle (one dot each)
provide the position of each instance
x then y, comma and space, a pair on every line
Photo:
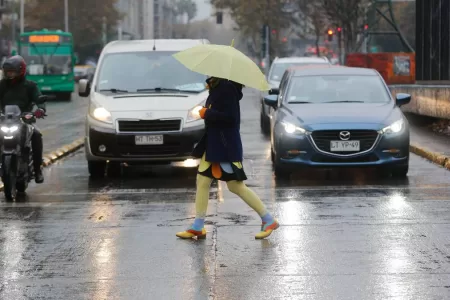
16, 154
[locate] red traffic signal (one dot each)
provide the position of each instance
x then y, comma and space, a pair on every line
339, 29
366, 27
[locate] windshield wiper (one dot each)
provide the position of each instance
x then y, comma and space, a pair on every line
160, 89
114, 90
300, 102
345, 101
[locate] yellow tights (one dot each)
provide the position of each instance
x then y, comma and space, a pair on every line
236, 187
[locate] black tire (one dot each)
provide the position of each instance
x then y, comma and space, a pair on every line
9, 178
281, 173
97, 168
22, 186
114, 169
272, 156
400, 171
66, 96
263, 122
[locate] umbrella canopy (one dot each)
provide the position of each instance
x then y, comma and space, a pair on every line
224, 62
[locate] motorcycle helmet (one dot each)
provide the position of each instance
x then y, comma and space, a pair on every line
14, 67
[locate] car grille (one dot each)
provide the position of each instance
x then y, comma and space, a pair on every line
128, 148
359, 159
322, 139
150, 125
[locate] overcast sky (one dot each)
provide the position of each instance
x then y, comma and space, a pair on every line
203, 9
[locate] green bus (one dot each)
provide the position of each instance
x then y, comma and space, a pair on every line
50, 61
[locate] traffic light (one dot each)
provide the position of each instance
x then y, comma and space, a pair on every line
330, 35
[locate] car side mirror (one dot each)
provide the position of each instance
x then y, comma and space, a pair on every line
84, 88
402, 99
274, 91
271, 100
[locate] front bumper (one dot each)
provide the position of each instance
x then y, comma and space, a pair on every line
177, 146
387, 150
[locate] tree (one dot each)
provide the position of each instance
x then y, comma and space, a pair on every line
86, 19
187, 7
349, 15
311, 21
251, 15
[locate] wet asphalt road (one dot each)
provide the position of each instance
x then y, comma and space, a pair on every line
347, 235
64, 122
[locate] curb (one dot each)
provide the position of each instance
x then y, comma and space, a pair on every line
56, 155
437, 158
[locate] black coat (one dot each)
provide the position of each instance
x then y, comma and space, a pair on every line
222, 138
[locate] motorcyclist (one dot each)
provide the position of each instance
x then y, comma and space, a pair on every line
15, 89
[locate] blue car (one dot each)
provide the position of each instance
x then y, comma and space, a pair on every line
337, 117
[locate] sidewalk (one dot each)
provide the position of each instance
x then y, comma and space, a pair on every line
428, 144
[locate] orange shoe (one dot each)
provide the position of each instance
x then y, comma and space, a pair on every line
267, 229
191, 233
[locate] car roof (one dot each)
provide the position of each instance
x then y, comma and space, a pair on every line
295, 59
332, 70
147, 45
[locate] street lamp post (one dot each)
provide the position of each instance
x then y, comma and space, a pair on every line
22, 14
66, 15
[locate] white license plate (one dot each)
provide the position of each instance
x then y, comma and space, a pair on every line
149, 139
344, 146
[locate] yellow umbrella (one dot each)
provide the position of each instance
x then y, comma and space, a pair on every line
223, 62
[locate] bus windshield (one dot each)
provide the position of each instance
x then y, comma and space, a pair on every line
47, 60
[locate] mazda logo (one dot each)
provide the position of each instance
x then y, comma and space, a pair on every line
344, 135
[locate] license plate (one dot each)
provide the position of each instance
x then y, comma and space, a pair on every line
46, 88
344, 146
149, 139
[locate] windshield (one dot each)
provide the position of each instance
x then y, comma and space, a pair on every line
342, 88
279, 68
146, 71
47, 60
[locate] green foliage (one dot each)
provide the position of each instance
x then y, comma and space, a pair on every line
85, 18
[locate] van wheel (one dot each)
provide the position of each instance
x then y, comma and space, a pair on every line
114, 169
97, 168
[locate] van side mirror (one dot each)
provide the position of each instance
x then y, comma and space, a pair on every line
84, 88
402, 99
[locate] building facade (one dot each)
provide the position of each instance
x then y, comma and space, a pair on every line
147, 19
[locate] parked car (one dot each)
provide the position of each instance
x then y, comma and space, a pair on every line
337, 117
278, 67
143, 105
83, 72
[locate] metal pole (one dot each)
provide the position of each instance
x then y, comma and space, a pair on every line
66, 15
22, 15
119, 31
267, 50
104, 37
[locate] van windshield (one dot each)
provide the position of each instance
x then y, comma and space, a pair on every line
133, 71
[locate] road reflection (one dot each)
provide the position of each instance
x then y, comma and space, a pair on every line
105, 256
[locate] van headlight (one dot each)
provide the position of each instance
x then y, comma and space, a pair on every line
292, 129
395, 127
100, 113
194, 113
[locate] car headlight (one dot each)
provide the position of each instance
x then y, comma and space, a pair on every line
100, 114
292, 129
395, 127
9, 129
194, 113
